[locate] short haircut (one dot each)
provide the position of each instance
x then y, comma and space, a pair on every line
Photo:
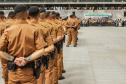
21, 15
42, 15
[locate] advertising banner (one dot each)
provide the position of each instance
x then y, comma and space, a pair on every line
105, 15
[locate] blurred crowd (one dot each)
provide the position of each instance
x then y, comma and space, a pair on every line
103, 22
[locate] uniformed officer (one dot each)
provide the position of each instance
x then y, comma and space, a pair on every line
59, 34
71, 25
3, 26
78, 27
21, 40
49, 72
34, 16
57, 20
64, 23
11, 19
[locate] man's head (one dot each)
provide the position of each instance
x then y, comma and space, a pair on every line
57, 15
11, 15
71, 16
74, 16
49, 15
1, 15
34, 12
54, 14
42, 13
20, 11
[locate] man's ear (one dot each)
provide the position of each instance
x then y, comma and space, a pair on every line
3, 17
27, 15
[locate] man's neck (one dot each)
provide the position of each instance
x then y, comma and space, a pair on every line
11, 18
34, 20
48, 19
20, 21
57, 18
53, 19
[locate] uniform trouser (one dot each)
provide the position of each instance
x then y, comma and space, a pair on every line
66, 31
59, 66
78, 27
4, 70
76, 34
55, 70
41, 79
22, 76
71, 32
62, 67
48, 72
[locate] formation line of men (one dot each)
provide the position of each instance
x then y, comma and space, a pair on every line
31, 45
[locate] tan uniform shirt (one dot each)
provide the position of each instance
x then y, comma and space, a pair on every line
58, 28
60, 22
44, 32
10, 22
21, 40
2, 28
49, 27
71, 22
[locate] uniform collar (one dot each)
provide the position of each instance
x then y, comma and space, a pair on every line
33, 22
48, 20
42, 20
21, 22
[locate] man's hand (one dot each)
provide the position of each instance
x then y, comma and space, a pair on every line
20, 61
54, 40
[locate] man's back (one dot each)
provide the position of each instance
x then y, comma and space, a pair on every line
21, 40
2, 28
71, 22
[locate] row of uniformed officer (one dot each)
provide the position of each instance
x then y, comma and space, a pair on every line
25, 41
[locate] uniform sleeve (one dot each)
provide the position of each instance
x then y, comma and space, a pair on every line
7, 25
67, 23
3, 41
39, 41
48, 39
60, 31
53, 33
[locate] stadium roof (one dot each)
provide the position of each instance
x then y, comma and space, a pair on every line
30, 3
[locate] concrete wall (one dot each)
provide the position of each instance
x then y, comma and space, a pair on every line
80, 13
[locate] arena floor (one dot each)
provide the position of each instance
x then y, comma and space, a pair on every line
99, 58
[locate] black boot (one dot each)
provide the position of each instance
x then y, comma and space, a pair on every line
67, 45
61, 78
63, 71
75, 46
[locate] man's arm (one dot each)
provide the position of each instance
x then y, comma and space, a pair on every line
38, 53
6, 56
20, 61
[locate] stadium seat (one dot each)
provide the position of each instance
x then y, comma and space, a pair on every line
37, 0
118, 0
50, 0
95, 0
61, 0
